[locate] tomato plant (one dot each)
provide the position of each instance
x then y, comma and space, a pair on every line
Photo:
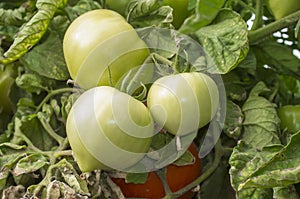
100, 47
280, 8
6, 81
172, 99
117, 5
180, 10
290, 117
176, 177
108, 129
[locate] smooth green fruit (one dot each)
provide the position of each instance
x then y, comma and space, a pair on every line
184, 102
100, 47
108, 129
290, 117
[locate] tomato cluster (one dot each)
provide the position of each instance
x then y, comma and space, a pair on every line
120, 127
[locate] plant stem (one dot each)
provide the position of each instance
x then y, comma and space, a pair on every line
258, 15
258, 35
49, 129
242, 3
51, 94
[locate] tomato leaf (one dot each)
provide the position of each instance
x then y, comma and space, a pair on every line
148, 13
29, 164
244, 161
205, 12
33, 30
136, 178
261, 124
279, 57
285, 192
287, 158
50, 50
31, 83
233, 121
228, 46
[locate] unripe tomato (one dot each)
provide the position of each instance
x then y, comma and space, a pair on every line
290, 117
282, 8
177, 177
100, 47
108, 129
180, 10
184, 102
6, 81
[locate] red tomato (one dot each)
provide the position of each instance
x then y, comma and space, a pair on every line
177, 178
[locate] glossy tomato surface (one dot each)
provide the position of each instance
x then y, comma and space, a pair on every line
290, 117
108, 129
177, 177
184, 102
100, 47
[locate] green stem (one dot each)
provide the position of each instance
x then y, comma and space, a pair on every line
219, 152
49, 129
258, 35
163, 59
242, 3
258, 15
53, 93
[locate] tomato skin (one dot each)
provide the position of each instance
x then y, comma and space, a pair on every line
290, 117
280, 8
184, 102
180, 10
108, 129
177, 177
100, 45
6, 82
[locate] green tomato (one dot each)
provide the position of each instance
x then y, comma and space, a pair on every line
290, 117
117, 5
6, 81
108, 129
100, 47
180, 10
282, 8
184, 102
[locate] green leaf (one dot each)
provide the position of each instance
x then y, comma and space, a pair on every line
285, 192
205, 12
261, 124
50, 50
12, 17
136, 178
279, 57
245, 160
81, 7
254, 193
281, 170
29, 164
33, 30
31, 127
186, 159
72, 178
146, 13
233, 121
31, 83
225, 41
